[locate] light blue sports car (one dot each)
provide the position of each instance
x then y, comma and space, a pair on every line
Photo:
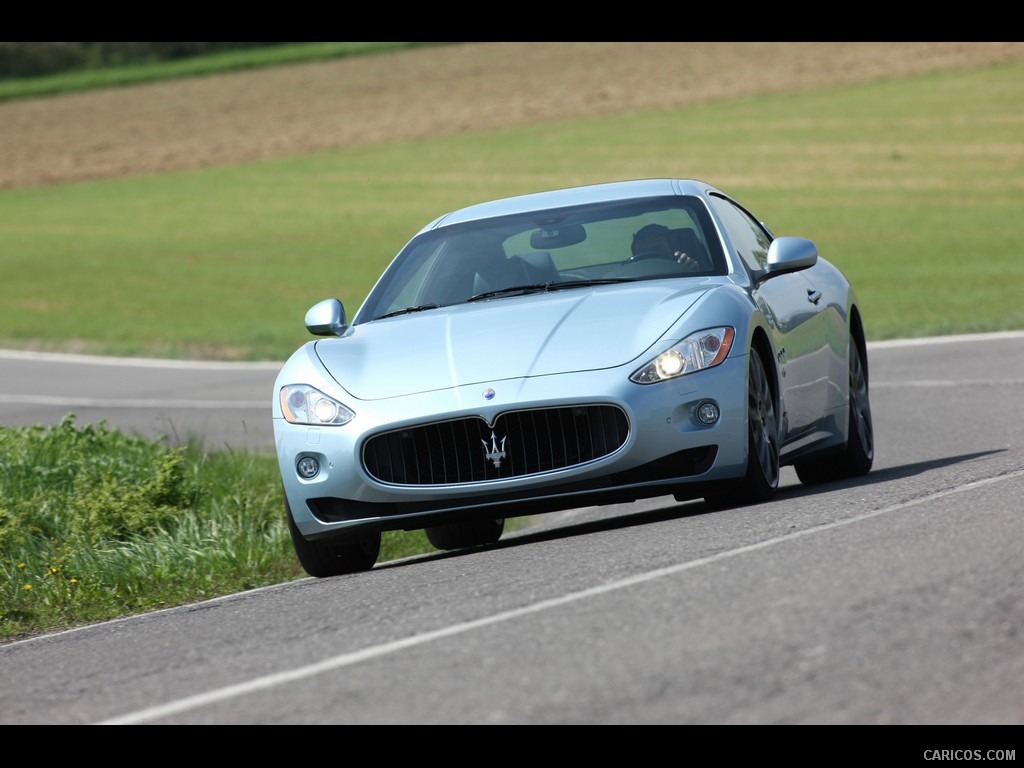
583, 346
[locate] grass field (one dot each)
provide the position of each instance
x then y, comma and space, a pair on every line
912, 186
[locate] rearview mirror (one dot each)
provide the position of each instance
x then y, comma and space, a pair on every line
558, 236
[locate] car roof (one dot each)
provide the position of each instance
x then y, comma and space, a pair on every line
582, 195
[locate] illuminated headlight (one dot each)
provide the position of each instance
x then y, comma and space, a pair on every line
303, 404
696, 352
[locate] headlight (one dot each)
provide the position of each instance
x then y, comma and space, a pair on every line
696, 352
303, 404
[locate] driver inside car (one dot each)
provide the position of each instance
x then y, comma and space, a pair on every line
655, 241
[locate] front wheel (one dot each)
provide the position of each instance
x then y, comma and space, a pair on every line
859, 453
762, 476
348, 553
468, 533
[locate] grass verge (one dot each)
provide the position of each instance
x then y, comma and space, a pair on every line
95, 525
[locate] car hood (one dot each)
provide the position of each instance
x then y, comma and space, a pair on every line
536, 335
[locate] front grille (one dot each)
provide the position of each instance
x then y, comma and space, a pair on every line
629, 485
469, 451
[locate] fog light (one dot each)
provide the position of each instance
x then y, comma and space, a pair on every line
307, 467
708, 413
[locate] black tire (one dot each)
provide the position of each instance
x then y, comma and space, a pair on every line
348, 553
762, 476
859, 453
468, 533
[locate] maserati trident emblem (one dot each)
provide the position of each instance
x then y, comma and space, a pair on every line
494, 453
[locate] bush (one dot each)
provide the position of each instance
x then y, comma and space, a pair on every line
34, 59
96, 524
37, 59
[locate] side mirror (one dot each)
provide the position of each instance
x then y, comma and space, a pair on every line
326, 318
789, 254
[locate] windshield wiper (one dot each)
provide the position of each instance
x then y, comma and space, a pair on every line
585, 283
407, 310
515, 290
521, 290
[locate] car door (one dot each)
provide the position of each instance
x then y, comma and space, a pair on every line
792, 306
802, 355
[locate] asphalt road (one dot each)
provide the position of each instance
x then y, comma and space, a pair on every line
219, 404
897, 598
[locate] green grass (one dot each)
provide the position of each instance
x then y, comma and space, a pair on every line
95, 525
911, 186
210, 64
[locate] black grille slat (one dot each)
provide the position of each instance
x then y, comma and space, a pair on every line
453, 452
556, 437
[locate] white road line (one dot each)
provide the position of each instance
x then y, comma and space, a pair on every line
137, 362
994, 336
92, 402
377, 651
944, 383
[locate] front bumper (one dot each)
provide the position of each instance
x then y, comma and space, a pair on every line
667, 450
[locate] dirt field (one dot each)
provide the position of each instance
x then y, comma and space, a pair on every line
469, 87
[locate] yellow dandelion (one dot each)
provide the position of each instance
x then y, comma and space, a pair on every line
54, 569
27, 587
21, 566
74, 581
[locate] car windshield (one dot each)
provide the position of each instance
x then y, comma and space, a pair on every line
542, 251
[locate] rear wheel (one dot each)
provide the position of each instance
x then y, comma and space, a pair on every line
762, 477
859, 454
467, 533
348, 553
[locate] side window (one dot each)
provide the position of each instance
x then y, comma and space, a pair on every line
747, 235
